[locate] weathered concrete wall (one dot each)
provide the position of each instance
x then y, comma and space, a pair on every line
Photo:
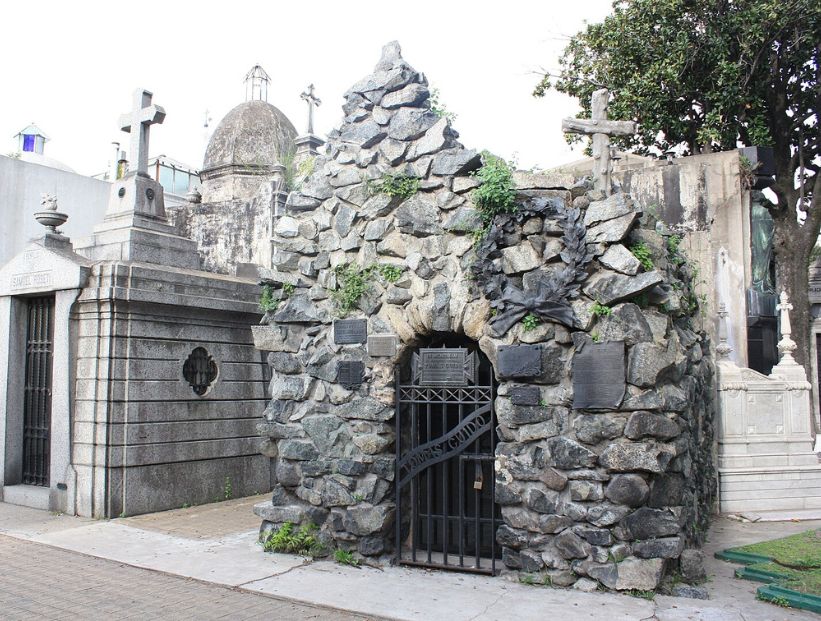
231, 232
21, 185
138, 425
703, 199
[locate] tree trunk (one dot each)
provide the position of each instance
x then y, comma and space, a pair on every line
793, 244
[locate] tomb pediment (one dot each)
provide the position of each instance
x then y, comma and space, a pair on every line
44, 266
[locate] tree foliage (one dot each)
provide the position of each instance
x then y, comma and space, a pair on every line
709, 75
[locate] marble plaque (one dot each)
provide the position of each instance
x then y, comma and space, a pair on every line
347, 331
598, 376
382, 345
349, 374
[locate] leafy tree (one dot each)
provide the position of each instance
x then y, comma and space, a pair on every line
710, 75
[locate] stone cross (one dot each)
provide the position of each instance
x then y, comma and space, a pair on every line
601, 129
313, 102
138, 123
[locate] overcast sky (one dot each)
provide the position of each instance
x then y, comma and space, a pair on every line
71, 67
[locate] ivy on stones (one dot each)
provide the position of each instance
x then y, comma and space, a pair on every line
269, 300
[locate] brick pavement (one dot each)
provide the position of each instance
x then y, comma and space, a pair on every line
42, 582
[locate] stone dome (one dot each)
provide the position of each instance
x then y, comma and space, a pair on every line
253, 136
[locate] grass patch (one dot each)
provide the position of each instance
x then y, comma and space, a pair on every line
344, 557
795, 562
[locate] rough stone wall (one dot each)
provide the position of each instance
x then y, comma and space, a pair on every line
614, 494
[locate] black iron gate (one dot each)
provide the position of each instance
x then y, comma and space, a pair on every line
445, 450
37, 403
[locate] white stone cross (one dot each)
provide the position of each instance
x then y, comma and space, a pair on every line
601, 129
138, 123
313, 102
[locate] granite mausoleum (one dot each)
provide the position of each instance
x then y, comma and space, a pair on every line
532, 398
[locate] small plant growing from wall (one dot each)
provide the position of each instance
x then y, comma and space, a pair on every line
644, 255
529, 322
344, 557
269, 300
403, 186
438, 108
354, 281
287, 540
600, 310
673, 250
496, 192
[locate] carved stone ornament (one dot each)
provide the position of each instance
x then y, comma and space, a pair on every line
199, 370
551, 300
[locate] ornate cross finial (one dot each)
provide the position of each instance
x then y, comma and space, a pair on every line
313, 102
138, 123
601, 129
723, 348
786, 346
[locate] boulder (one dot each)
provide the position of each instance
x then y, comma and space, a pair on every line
646, 523
566, 453
571, 546
620, 259
637, 456
630, 574
650, 425
610, 288
593, 428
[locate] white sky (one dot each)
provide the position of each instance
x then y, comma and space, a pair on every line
71, 67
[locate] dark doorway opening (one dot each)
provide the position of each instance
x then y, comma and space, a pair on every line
445, 449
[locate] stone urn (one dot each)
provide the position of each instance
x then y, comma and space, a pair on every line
50, 217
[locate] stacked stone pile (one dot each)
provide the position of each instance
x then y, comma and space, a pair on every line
612, 493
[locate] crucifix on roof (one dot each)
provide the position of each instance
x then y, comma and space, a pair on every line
313, 102
137, 123
601, 129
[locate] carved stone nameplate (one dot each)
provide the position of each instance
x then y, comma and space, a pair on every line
349, 374
598, 376
520, 361
382, 345
347, 331
525, 395
445, 367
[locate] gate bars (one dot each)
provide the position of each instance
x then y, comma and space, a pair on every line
37, 402
471, 439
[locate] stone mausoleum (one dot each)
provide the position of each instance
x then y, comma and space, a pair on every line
483, 392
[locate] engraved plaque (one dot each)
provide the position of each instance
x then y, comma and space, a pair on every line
348, 331
446, 367
598, 376
525, 395
382, 345
519, 361
349, 374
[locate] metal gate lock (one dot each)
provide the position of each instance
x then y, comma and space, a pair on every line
478, 476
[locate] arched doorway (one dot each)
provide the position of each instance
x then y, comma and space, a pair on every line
445, 452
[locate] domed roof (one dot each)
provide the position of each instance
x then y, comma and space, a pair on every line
254, 134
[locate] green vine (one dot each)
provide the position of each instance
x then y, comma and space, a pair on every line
352, 282
673, 250
644, 255
403, 186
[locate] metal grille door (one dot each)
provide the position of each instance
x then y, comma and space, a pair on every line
37, 406
445, 449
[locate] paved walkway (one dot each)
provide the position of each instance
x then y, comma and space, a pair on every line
216, 544
42, 582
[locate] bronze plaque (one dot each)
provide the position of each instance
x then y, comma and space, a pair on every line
598, 376
349, 374
446, 367
347, 331
382, 345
